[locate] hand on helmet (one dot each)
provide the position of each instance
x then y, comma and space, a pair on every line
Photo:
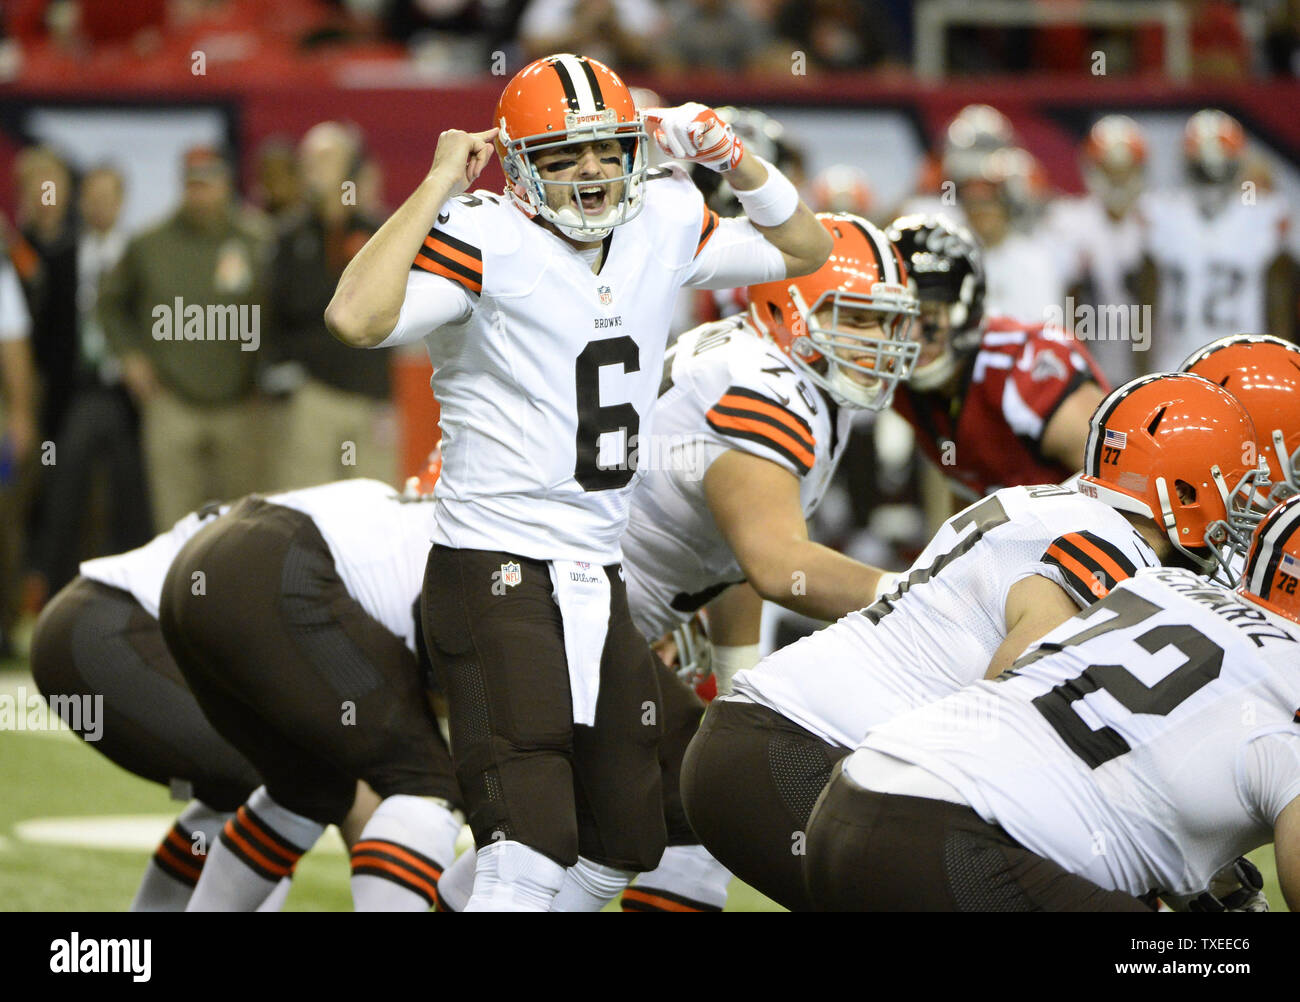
695, 133
461, 156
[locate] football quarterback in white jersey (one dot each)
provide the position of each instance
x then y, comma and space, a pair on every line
545, 312
1142, 746
753, 416
1216, 251
996, 577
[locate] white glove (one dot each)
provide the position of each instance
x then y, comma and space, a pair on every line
695, 133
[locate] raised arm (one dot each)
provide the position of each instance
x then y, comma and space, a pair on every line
695, 133
368, 299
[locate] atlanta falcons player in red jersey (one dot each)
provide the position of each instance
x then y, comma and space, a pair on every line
994, 402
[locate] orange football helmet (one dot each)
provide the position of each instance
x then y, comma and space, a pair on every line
1180, 451
1214, 145
1272, 574
564, 100
1263, 372
841, 188
864, 272
1114, 161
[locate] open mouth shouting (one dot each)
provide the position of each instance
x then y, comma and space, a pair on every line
591, 198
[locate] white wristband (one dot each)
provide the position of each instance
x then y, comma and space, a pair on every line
727, 661
772, 202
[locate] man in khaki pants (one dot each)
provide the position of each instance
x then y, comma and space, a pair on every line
182, 309
337, 420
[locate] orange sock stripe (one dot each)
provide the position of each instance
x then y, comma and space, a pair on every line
654, 901
270, 866
396, 873
267, 840
178, 840
167, 858
420, 864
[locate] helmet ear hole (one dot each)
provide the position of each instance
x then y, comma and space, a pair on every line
1186, 492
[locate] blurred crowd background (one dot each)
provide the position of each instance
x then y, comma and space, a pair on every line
1227, 39
165, 154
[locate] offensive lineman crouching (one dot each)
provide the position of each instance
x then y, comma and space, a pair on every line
1124, 725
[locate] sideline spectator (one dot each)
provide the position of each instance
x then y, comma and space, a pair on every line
100, 430
339, 421
623, 33
183, 310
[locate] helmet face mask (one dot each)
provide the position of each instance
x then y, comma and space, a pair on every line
563, 102
847, 351
1263, 372
826, 322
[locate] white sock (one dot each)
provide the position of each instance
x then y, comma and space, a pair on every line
589, 887
686, 879
177, 863
257, 848
401, 853
510, 877
457, 882
275, 901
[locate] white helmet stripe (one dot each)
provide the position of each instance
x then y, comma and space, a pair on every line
577, 84
1267, 554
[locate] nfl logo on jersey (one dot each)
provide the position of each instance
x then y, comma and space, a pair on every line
511, 574
606, 295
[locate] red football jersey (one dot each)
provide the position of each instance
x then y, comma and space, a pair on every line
990, 434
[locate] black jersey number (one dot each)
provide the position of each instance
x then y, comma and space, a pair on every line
985, 515
595, 420
1204, 661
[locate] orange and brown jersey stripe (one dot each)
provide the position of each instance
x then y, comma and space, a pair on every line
443, 254
1092, 566
747, 415
654, 900
398, 863
178, 856
258, 846
707, 229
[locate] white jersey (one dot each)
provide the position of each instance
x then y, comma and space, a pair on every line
1212, 271
938, 631
379, 541
724, 388
1145, 744
1025, 276
547, 376
1102, 254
